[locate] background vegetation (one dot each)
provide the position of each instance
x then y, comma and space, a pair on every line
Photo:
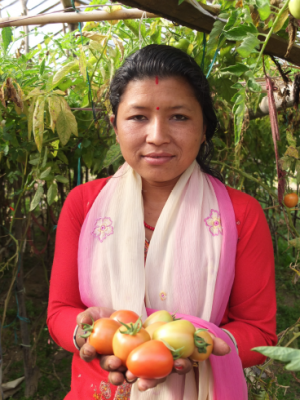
55, 134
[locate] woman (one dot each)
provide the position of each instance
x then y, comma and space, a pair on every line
163, 233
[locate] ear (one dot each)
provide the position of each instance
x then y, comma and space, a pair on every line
112, 120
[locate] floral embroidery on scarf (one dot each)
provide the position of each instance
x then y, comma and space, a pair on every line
163, 296
123, 392
103, 228
214, 223
105, 391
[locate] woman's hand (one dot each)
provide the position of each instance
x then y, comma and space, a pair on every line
181, 366
88, 352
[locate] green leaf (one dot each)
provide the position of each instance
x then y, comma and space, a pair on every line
42, 66
133, 26
253, 85
180, 2
37, 197
52, 193
297, 169
285, 354
112, 155
61, 179
263, 7
7, 37
61, 155
45, 173
214, 35
248, 46
64, 71
237, 69
240, 32
66, 125
295, 243
38, 122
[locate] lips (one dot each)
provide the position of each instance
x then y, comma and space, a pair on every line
158, 158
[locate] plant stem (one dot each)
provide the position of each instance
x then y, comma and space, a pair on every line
270, 33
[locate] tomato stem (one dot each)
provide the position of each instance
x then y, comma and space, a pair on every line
200, 342
176, 353
88, 329
132, 329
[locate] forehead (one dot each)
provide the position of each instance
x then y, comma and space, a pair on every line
157, 87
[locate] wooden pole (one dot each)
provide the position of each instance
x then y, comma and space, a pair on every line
75, 17
24, 13
68, 4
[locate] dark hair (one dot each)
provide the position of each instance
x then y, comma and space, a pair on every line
167, 61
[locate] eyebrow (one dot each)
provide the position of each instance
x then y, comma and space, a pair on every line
136, 107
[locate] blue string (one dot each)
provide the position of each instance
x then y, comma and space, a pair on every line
79, 168
212, 63
204, 49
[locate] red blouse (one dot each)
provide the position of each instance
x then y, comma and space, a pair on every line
250, 315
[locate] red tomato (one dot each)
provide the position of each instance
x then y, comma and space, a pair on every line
101, 335
150, 360
290, 200
205, 345
125, 340
125, 316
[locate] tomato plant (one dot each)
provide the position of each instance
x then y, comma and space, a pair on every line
125, 316
100, 334
203, 345
150, 360
291, 200
127, 338
179, 335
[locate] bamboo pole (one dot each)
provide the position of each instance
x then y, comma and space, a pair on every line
62, 17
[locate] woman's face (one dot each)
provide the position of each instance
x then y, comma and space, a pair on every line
159, 127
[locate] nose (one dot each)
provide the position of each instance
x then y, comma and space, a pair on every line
158, 131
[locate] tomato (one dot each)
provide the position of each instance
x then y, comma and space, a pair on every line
183, 45
152, 328
290, 200
161, 315
125, 316
294, 7
150, 360
179, 335
204, 345
128, 338
100, 334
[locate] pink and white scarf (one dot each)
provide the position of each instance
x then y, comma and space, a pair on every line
189, 268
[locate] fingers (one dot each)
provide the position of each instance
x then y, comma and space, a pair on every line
221, 348
182, 366
87, 352
93, 312
111, 364
145, 384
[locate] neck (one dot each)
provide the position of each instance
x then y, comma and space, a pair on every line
156, 193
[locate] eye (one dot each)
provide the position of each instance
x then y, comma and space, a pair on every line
179, 117
138, 117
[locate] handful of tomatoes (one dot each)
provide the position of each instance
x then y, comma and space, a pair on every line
148, 350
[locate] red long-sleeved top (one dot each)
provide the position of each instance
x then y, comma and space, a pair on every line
250, 314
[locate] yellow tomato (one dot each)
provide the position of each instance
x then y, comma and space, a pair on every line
179, 335
162, 316
152, 328
204, 345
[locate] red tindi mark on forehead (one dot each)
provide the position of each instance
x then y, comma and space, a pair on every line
156, 80
157, 108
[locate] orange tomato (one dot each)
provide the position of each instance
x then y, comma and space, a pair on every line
205, 345
125, 316
150, 360
152, 328
127, 338
290, 200
101, 335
